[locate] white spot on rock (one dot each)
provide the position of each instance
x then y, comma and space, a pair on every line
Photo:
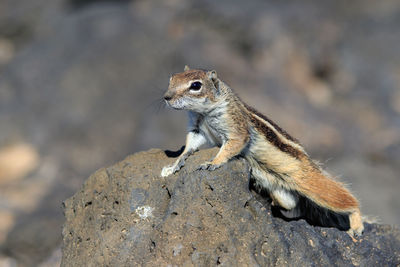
177, 249
144, 211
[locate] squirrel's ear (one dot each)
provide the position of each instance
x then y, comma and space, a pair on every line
186, 68
212, 74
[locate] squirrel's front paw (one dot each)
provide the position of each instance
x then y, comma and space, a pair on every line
168, 170
209, 166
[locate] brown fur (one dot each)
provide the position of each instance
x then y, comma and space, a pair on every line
189, 75
325, 191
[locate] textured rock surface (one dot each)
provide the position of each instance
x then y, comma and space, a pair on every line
127, 215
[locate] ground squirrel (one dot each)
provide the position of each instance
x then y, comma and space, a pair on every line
277, 161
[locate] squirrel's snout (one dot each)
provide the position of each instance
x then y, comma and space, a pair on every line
168, 96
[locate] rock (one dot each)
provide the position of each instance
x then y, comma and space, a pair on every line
127, 215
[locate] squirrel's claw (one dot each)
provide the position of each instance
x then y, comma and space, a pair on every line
209, 166
355, 234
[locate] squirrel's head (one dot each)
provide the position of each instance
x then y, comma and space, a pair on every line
195, 90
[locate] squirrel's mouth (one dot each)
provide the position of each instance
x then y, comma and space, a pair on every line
176, 107
177, 104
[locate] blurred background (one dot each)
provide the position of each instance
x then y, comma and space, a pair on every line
81, 83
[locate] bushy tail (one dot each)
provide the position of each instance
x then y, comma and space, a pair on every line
325, 192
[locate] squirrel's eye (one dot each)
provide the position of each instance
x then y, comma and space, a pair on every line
195, 86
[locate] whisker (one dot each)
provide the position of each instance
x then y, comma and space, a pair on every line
156, 105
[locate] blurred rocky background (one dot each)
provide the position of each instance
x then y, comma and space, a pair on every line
81, 83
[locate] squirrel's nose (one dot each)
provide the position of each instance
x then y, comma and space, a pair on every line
167, 96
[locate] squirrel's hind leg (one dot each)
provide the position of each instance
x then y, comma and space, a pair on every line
284, 198
356, 223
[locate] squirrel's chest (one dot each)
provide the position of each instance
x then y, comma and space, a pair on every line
215, 129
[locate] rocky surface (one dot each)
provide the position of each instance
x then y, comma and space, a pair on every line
127, 215
81, 80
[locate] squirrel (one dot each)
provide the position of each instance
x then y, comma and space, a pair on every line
277, 161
